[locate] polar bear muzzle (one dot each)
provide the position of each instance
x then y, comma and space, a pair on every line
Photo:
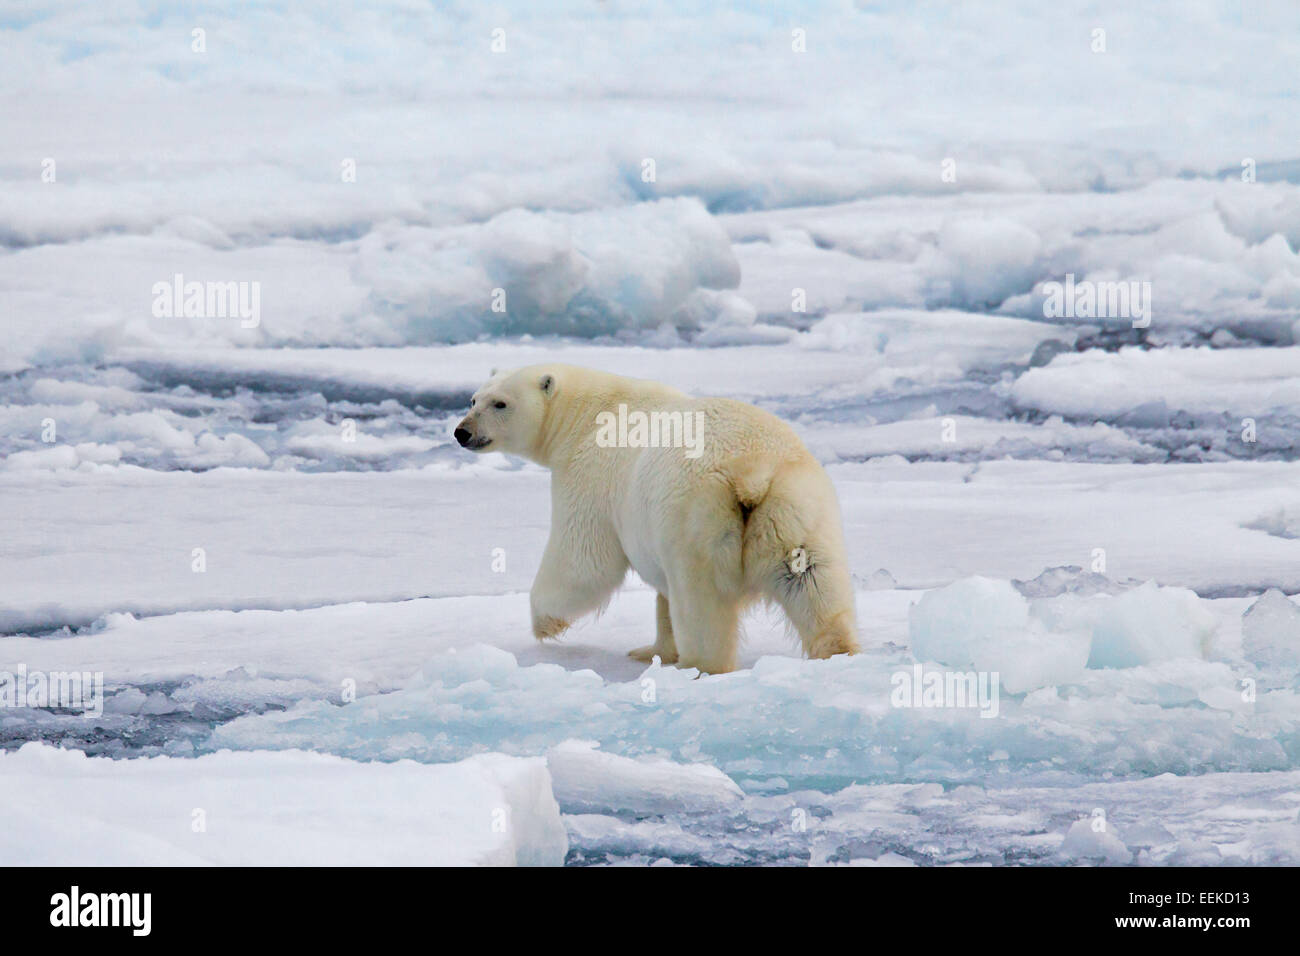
467, 439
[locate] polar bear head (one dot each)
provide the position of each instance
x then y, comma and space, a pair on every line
507, 414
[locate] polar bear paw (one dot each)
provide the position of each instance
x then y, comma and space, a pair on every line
648, 653
836, 639
546, 627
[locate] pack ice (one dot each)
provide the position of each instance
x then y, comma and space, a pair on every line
263, 537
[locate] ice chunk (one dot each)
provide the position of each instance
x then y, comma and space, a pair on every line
288, 807
583, 274
1037, 657
1145, 386
601, 835
60, 457
1282, 523
1070, 579
952, 625
989, 625
812, 724
1094, 839
884, 860
985, 261
1270, 630
585, 780
986, 624
880, 580
1147, 624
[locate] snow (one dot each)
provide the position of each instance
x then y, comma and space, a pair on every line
264, 538
260, 809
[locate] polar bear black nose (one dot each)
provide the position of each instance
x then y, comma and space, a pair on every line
462, 435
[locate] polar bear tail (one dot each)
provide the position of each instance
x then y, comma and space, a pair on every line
793, 552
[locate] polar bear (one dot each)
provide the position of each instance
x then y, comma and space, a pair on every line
715, 504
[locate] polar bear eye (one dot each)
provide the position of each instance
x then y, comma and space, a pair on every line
498, 404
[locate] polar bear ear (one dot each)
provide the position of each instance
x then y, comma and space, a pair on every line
492, 374
547, 384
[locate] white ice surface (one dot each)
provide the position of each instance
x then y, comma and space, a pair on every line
844, 354
75, 546
62, 808
355, 544
1096, 385
526, 169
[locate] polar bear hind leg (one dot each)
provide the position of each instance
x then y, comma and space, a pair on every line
794, 555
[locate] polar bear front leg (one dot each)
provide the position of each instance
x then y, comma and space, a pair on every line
664, 647
577, 576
